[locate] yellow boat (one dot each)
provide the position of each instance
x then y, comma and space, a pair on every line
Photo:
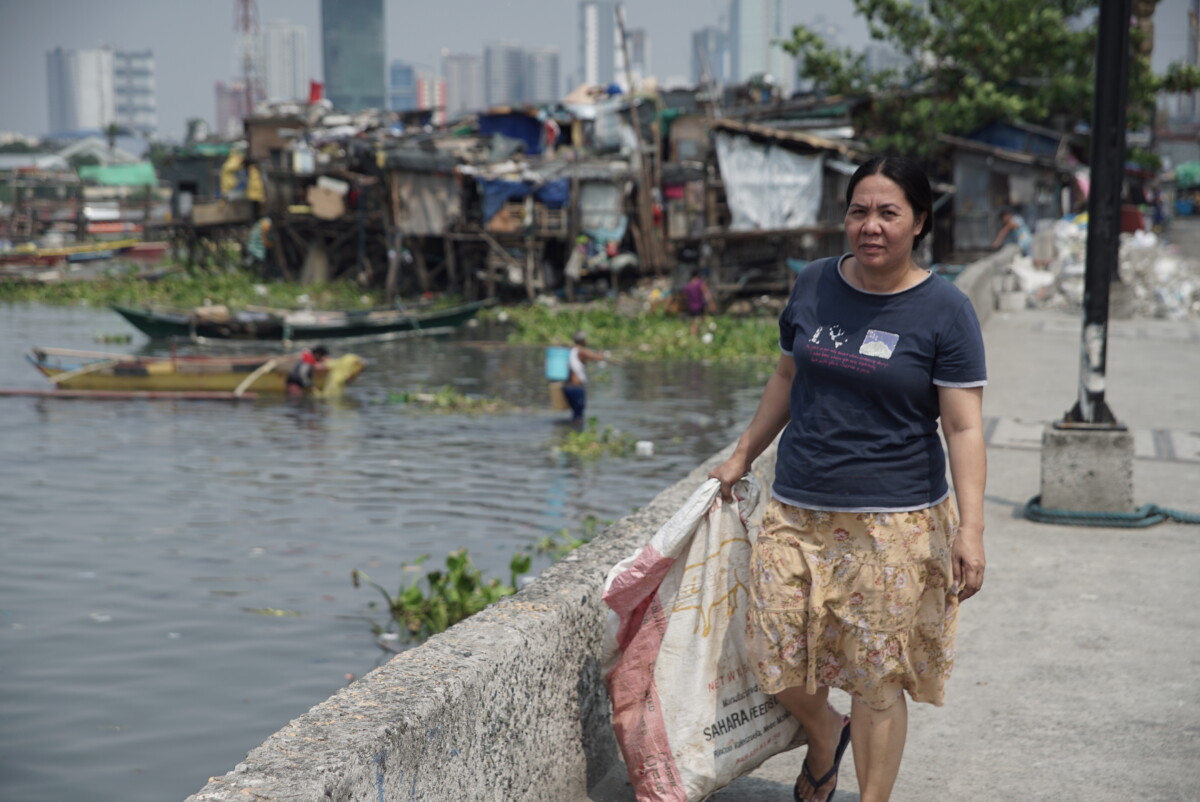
90, 370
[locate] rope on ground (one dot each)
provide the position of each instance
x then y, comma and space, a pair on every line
1146, 515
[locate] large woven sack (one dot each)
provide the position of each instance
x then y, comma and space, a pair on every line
687, 711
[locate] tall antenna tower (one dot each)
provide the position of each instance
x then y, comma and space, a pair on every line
245, 21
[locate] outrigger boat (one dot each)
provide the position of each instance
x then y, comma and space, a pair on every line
88, 252
90, 370
258, 323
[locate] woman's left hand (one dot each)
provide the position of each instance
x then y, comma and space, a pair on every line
968, 562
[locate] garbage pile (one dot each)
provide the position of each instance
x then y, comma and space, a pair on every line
1164, 283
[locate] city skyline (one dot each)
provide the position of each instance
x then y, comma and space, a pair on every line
195, 44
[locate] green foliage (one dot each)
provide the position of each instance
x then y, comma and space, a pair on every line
273, 612
18, 146
191, 288
973, 62
434, 602
1179, 77
592, 442
447, 399
82, 160
649, 335
439, 599
562, 544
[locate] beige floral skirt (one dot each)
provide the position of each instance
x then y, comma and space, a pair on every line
858, 601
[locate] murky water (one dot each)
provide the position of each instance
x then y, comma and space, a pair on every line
141, 540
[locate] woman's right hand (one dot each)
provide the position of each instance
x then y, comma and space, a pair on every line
728, 473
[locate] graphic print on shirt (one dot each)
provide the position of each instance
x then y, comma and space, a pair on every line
879, 343
835, 332
876, 349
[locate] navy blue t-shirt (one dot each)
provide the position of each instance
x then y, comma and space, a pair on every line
863, 435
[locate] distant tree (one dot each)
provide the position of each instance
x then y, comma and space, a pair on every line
82, 160
111, 132
17, 146
973, 62
158, 154
197, 130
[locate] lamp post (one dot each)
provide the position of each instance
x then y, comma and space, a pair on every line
1104, 211
1087, 458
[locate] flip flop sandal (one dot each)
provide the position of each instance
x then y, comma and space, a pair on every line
810, 794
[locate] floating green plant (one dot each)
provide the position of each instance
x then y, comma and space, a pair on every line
560, 545
645, 335
272, 611
447, 399
234, 288
436, 601
592, 442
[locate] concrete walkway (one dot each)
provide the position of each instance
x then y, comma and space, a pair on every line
1078, 673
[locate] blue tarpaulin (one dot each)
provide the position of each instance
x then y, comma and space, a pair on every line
496, 192
554, 194
517, 126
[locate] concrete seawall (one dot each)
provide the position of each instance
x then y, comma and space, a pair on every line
507, 705
980, 280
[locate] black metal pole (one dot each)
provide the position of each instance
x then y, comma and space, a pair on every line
1104, 209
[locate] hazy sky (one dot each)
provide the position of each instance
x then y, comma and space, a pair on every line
193, 40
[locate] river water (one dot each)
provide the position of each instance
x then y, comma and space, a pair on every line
143, 542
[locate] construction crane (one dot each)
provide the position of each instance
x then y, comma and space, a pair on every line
245, 21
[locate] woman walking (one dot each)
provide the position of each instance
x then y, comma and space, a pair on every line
863, 557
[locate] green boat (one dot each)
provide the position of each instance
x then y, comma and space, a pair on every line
219, 323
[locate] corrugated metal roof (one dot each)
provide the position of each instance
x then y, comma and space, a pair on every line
851, 151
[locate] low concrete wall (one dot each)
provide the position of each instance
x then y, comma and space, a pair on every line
507, 705
980, 281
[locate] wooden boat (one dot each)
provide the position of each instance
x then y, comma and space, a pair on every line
87, 252
97, 254
131, 395
91, 370
272, 324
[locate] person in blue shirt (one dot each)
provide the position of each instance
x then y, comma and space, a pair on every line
575, 387
863, 556
1014, 230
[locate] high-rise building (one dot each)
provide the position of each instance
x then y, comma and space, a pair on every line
234, 104
504, 74
598, 41
135, 92
81, 90
402, 86
638, 45
283, 61
754, 26
352, 45
412, 87
880, 57
710, 56
431, 94
541, 75
464, 83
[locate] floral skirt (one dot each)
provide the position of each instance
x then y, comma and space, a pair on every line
858, 601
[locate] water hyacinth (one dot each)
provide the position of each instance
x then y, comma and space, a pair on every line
447, 399
592, 442
645, 335
188, 289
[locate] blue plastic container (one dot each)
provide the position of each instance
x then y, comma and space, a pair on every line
557, 369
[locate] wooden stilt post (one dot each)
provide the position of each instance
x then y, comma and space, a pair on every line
421, 268
451, 264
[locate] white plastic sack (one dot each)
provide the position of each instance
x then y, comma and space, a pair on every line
687, 711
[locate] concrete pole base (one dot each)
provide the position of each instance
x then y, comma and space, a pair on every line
1087, 470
